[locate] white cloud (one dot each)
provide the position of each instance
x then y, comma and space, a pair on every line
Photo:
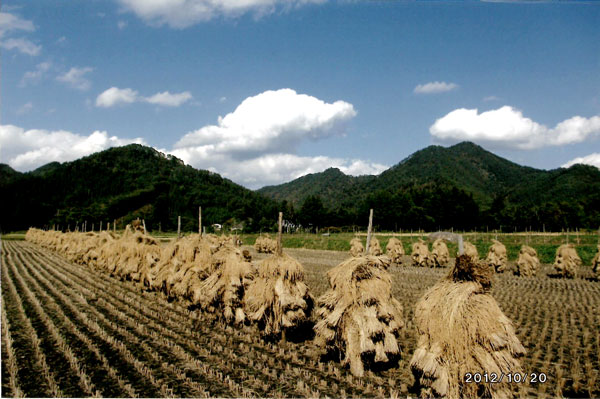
36, 75
10, 23
222, 99
28, 149
25, 108
255, 144
592, 159
169, 100
506, 127
273, 121
272, 169
434, 87
75, 78
184, 13
115, 96
23, 45
122, 25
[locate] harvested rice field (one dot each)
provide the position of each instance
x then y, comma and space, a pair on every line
73, 331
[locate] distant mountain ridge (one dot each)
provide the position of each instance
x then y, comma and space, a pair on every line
463, 186
124, 183
466, 166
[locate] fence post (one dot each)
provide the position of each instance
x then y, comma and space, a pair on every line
369, 230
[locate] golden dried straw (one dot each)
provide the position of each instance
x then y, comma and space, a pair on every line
528, 262
496, 256
358, 317
461, 330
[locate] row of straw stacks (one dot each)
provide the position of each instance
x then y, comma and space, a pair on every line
209, 272
566, 261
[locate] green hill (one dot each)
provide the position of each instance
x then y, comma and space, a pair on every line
427, 187
331, 185
124, 183
463, 186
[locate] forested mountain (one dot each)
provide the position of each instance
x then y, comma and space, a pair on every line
463, 186
125, 183
458, 186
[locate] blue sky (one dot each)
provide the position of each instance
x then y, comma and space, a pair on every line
264, 91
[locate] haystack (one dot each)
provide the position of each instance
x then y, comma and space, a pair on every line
528, 263
395, 250
440, 254
420, 254
596, 264
471, 250
462, 330
222, 292
496, 256
136, 251
567, 261
358, 317
181, 262
264, 244
356, 247
277, 298
375, 247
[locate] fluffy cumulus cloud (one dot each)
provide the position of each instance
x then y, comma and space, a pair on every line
270, 122
10, 24
75, 78
115, 96
184, 13
255, 144
506, 127
272, 169
592, 159
434, 88
28, 149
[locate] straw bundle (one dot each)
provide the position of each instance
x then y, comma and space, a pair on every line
222, 292
139, 252
359, 318
528, 263
420, 254
356, 247
496, 256
375, 247
440, 254
180, 261
395, 250
596, 264
264, 244
462, 330
567, 261
278, 299
471, 250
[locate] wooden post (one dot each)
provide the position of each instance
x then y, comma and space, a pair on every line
279, 249
85, 227
144, 224
108, 227
178, 226
92, 227
100, 226
115, 226
200, 220
369, 231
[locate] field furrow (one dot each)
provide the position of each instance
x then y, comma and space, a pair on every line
75, 331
